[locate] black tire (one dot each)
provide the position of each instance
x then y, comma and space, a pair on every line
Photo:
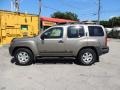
28, 60
91, 58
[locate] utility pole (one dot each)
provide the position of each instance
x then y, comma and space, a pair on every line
99, 9
17, 5
39, 20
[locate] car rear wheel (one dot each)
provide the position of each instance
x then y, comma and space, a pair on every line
23, 56
87, 56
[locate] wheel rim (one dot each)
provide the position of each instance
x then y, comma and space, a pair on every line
23, 57
87, 57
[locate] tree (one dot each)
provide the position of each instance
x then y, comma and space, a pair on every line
115, 21
105, 24
65, 15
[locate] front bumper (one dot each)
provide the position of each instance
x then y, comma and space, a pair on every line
11, 50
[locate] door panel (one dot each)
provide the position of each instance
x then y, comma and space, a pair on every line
53, 43
75, 39
52, 47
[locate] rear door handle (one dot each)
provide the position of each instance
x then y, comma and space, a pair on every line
60, 41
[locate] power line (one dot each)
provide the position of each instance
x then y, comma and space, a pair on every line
54, 9
110, 11
69, 5
88, 11
72, 6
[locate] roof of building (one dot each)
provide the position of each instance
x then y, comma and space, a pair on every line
6, 11
57, 20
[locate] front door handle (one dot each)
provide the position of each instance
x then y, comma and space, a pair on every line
61, 41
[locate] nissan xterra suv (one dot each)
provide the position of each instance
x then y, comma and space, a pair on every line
83, 42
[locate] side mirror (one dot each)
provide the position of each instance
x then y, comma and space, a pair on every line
42, 37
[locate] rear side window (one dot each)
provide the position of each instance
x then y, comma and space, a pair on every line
95, 31
75, 32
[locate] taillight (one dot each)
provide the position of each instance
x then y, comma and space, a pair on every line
105, 41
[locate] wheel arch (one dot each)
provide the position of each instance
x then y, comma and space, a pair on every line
16, 48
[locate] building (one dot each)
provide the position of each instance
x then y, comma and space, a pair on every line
48, 22
17, 25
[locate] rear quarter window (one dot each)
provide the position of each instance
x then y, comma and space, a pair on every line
95, 31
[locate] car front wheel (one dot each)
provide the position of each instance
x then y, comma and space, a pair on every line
23, 56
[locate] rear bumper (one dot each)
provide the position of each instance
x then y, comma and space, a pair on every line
103, 50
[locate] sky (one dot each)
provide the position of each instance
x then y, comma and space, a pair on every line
85, 9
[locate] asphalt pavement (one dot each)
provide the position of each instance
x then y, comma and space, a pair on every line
62, 74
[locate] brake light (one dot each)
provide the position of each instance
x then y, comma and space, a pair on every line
105, 41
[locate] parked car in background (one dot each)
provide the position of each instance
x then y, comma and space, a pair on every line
114, 33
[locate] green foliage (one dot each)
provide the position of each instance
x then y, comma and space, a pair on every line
65, 15
105, 23
113, 22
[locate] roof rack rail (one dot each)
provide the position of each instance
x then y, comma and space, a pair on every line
67, 23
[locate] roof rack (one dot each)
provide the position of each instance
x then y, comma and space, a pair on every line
68, 23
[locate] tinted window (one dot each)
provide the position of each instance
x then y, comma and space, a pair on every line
54, 33
75, 31
95, 31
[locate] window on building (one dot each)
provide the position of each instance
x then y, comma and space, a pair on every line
24, 27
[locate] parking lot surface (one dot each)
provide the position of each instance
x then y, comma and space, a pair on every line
62, 74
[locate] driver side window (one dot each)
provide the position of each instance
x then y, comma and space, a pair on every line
56, 32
